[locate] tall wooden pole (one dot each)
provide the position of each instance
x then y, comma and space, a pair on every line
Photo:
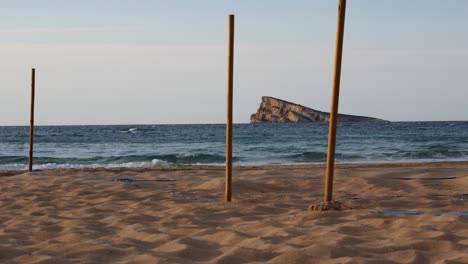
31, 120
228, 191
334, 104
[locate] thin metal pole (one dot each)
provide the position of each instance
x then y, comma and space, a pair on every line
228, 191
334, 103
31, 120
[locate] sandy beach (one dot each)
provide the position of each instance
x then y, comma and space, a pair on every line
176, 215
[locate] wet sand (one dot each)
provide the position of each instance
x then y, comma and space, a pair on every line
176, 215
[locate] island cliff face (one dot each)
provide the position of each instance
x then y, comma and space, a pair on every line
273, 110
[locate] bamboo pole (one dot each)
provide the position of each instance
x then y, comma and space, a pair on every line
228, 191
31, 120
334, 103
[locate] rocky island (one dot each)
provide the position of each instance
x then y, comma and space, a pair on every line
273, 110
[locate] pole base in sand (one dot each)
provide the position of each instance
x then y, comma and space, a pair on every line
326, 206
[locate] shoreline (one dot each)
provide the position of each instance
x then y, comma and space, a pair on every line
252, 167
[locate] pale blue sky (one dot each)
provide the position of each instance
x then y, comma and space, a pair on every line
120, 62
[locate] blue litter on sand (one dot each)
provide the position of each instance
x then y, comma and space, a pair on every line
398, 212
128, 180
416, 213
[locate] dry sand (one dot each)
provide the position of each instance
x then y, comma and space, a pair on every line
168, 216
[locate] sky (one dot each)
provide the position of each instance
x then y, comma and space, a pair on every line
164, 62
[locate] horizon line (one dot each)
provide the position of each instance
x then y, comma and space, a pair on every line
236, 123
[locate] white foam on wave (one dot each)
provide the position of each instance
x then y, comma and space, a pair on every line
163, 163
160, 163
47, 166
14, 166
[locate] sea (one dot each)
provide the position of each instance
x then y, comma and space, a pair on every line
138, 146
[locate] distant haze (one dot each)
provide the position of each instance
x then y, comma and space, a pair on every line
164, 62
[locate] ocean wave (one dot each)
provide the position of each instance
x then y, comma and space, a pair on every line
157, 163
46, 166
431, 154
151, 160
316, 156
131, 161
